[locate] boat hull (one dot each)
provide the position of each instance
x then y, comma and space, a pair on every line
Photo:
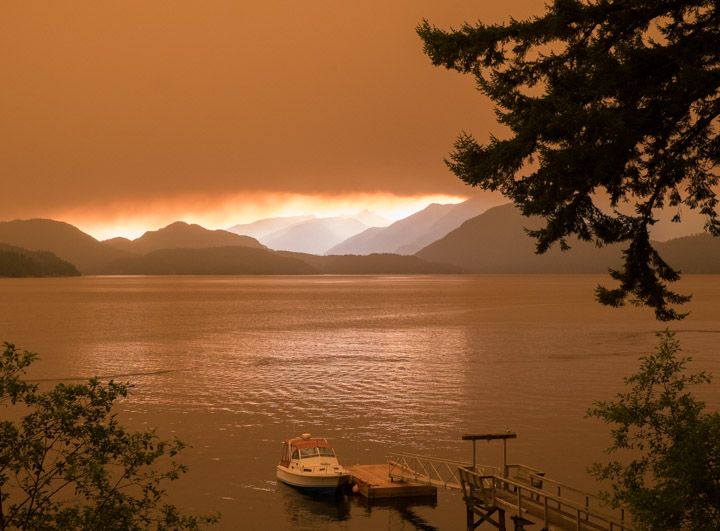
321, 483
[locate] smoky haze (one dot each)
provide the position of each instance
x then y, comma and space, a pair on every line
140, 102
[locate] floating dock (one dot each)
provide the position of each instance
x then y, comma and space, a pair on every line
373, 482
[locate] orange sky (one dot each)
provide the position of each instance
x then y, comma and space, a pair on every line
115, 114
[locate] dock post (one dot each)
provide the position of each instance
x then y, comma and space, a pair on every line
505, 472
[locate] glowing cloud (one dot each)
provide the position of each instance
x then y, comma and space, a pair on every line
132, 219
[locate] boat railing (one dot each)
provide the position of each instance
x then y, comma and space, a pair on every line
431, 470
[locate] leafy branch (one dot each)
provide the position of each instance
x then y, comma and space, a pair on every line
668, 468
68, 438
604, 101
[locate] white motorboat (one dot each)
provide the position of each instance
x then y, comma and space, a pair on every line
310, 463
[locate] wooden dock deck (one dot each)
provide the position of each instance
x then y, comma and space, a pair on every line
489, 498
374, 482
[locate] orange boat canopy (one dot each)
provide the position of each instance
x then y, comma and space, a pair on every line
307, 443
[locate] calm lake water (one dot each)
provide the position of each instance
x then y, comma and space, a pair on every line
378, 364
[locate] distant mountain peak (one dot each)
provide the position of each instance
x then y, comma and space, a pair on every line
178, 226
180, 234
410, 234
314, 236
370, 218
262, 227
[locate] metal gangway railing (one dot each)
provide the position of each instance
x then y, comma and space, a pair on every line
524, 496
432, 470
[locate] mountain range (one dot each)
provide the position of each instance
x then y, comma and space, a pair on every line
353, 235
62, 239
264, 227
496, 242
409, 235
305, 234
313, 236
184, 249
182, 235
492, 242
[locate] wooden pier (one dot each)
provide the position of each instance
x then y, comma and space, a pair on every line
528, 497
515, 492
491, 494
374, 482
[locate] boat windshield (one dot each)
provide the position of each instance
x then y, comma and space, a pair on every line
306, 453
326, 452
